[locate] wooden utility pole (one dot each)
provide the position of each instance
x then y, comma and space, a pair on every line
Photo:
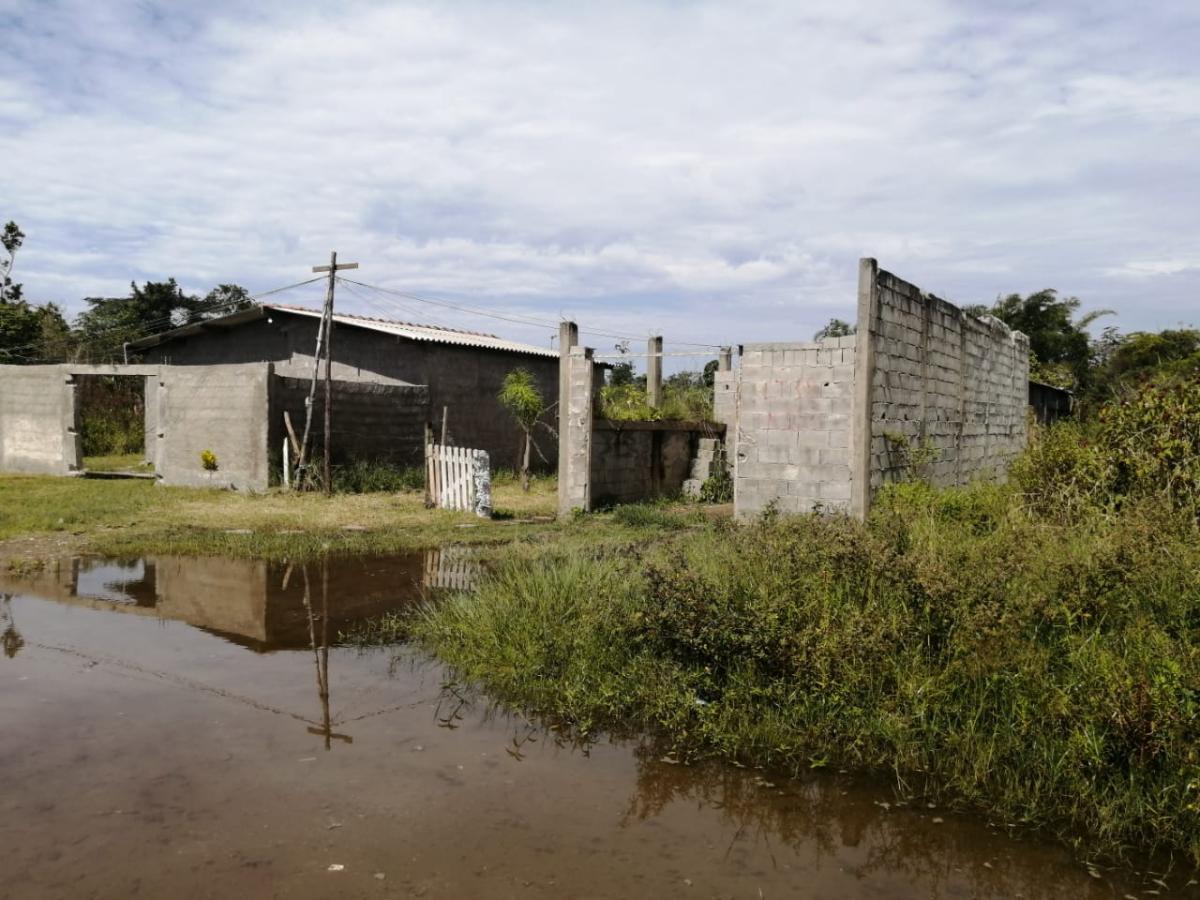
324, 340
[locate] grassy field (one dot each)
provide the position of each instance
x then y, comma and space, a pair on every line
46, 516
120, 517
118, 462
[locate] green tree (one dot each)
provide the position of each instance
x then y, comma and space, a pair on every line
11, 239
519, 395
110, 322
1122, 361
225, 299
1058, 341
834, 328
710, 372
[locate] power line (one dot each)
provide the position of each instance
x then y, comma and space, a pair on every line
520, 320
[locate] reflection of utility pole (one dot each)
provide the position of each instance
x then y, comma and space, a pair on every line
13, 642
321, 655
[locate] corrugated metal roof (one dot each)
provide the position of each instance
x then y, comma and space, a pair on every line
433, 333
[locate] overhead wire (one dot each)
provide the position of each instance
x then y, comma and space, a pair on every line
513, 318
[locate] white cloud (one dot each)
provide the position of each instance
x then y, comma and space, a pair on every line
710, 170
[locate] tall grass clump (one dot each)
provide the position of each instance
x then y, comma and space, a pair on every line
372, 476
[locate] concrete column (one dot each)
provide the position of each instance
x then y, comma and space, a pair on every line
725, 359
654, 372
568, 337
864, 375
575, 438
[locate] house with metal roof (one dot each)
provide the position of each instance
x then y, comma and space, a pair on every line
451, 372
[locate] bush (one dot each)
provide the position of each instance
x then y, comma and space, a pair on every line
681, 403
1146, 444
717, 488
367, 476
1064, 471
1152, 437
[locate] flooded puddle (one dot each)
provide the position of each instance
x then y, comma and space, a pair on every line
175, 728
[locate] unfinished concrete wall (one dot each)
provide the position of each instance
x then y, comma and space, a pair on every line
948, 391
377, 422
921, 388
38, 432
465, 380
634, 461
224, 409
794, 412
575, 429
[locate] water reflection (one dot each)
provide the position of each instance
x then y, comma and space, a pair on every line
11, 638
258, 604
225, 734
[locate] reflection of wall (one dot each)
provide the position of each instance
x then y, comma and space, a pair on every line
251, 601
227, 595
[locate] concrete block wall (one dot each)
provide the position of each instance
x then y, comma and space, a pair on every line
941, 380
224, 409
371, 421
38, 431
794, 413
465, 380
724, 397
634, 461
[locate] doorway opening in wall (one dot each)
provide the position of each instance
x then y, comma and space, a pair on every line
111, 418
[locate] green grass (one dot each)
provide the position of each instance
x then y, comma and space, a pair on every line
1048, 675
118, 462
129, 518
34, 505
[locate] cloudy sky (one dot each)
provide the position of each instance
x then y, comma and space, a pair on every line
708, 170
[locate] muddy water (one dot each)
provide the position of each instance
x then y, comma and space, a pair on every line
167, 729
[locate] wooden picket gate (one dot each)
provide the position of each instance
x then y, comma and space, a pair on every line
458, 478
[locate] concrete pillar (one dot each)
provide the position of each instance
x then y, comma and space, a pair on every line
725, 359
575, 436
654, 372
568, 337
864, 375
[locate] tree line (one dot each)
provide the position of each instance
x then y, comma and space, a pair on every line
32, 333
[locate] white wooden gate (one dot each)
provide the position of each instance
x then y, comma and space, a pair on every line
458, 478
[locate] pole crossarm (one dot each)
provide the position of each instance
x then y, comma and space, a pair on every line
335, 268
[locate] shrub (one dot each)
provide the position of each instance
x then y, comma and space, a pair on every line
370, 476
717, 488
683, 402
1153, 439
1064, 471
